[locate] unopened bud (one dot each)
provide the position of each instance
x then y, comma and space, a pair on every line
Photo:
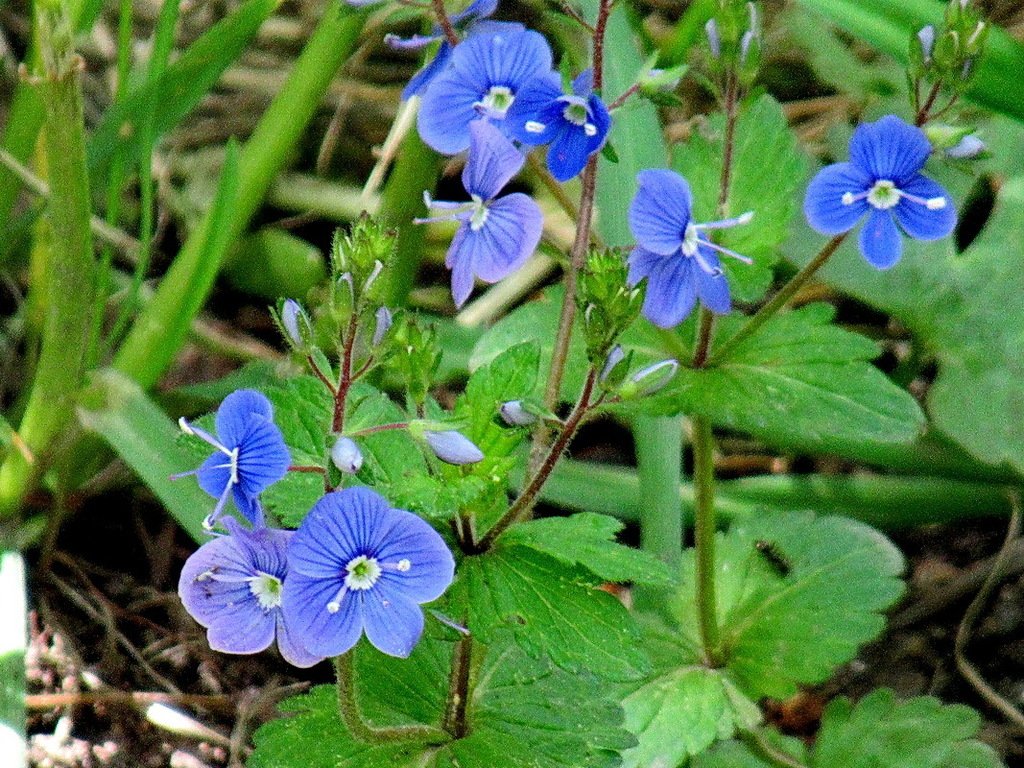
382, 326
649, 380
714, 39
346, 455
614, 359
515, 415
453, 447
926, 37
295, 322
968, 148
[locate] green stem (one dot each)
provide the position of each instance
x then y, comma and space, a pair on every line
765, 313
70, 280
455, 721
704, 531
659, 453
352, 716
163, 325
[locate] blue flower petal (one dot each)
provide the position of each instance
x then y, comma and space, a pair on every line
431, 69
247, 629
249, 506
823, 203
671, 291
206, 599
880, 241
641, 263
413, 43
233, 416
713, 290
537, 102
660, 211
447, 109
889, 149
478, 9
214, 474
493, 161
393, 622
583, 83
918, 220
568, 153
263, 458
338, 527
502, 245
292, 651
601, 120
431, 566
304, 604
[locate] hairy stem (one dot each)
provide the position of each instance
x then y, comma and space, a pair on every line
524, 503
765, 313
445, 22
455, 721
70, 269
704, 539
352, 716
345, 375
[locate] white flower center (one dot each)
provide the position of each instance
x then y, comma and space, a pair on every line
884, 195
266, 589
480, 213
690, 240
362, 572
575, 113
497, 101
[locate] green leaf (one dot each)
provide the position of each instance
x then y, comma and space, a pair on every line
535, 322
179, 88
768, 175
735, 754
967, 310
589, 540
524, 713
677, 715
510, 375
789, 617
116, 409
800, 383
302, 411
917, 733
13, 631
552, 611
888, 25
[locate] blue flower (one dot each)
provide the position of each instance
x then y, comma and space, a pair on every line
466, 19
672, 252
233, 586
575, 125
496, 235
250, 454
882, 180
485, 74
356, 565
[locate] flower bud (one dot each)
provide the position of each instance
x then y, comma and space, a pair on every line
295, 324
611, 363
714, 39
453, 447
382, 326
346, 455
515, 415
649, 380
926, 37
968, 148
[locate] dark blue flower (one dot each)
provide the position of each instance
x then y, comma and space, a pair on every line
496, 236
672, 252
233, 586
356, 565
882, 180
575, 125
250, 454
466, 19
483, 78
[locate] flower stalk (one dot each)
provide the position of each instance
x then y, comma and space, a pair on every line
704, 539
70, 271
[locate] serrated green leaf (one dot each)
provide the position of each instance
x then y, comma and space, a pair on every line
968, 311
881, 730
552, 611
302, 411
524, 713
735, 754
768, 175
801, 383
588, 540
791, 623
510, 375
391, 456
535, 322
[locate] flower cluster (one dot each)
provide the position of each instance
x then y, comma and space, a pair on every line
355, 564
493, 90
